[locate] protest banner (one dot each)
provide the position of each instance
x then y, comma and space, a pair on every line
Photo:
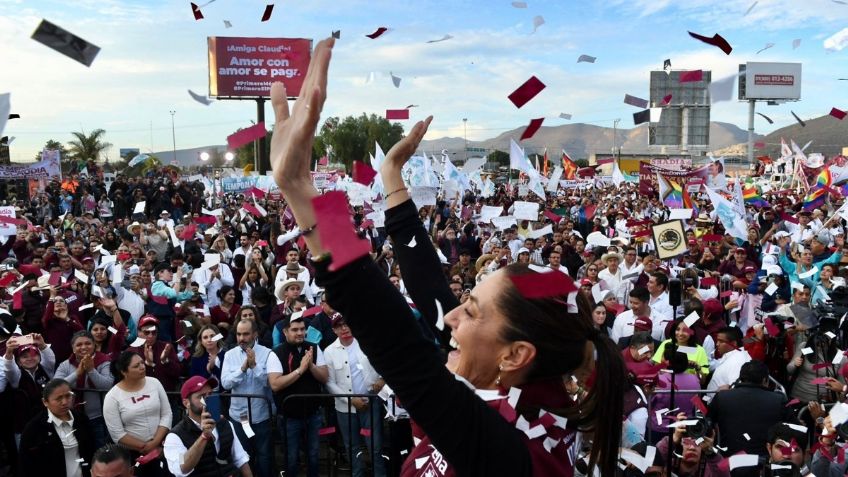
648, 177
40, 170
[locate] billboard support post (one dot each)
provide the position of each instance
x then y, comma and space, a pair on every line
264, 162
751, 106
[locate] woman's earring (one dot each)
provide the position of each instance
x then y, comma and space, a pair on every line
498, 380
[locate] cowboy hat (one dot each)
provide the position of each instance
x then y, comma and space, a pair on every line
478, 265
132, 226
608, 256
703, 218
285, 284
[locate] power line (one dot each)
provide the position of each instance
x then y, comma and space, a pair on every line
144, 129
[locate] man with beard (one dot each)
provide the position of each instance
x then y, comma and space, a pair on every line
203, 444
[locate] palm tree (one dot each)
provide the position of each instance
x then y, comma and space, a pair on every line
151, 164
88, 147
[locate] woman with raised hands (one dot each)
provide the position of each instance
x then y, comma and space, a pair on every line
474, 422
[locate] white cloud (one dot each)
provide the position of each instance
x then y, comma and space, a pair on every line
837, 41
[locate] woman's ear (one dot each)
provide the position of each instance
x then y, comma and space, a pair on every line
519, 357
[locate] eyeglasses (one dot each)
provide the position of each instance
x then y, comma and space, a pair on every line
149, 332
593, 269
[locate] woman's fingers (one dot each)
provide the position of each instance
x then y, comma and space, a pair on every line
279, 102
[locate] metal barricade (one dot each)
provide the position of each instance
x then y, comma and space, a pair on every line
376, 419
279, 431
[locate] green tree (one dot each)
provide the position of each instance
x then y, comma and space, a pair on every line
582, 162
352, 138
499, 157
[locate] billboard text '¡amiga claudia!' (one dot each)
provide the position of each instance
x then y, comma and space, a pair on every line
246, 67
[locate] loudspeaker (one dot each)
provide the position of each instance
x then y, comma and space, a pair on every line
675, 292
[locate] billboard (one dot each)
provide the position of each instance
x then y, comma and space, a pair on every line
685, 121
246, 67
125, 151
770, 81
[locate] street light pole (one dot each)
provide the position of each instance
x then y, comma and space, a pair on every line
174, 135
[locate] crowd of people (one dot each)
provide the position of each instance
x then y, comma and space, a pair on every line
124, 326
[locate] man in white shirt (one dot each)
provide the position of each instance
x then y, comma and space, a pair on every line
244, 248
802, 231
632, 267
658, 289
212, 279
555, 262
638, 301
730, 356
612, 276
202, 442
165, 220
351, 373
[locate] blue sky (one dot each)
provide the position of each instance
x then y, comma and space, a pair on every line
153, 51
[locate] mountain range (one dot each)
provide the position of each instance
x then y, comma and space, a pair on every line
580, 140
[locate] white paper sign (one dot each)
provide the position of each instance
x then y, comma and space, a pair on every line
488, 212
139, 342
680, 214
139, 207
424, 196
174, 240
526, 210
809, 272
691, 319
503, 223
771, 289
744, 460
534, 234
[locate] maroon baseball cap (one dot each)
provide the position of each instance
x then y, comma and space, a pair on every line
740, 249
195, 383
643, 323
586, 282
750, 269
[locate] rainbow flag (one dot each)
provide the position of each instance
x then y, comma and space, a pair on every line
688, 203
671, 192
751, 195
818, 192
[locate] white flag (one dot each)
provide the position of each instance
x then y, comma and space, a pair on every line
734, 224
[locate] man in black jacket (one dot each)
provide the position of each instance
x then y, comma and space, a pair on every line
58, 441
745, 413
202, 444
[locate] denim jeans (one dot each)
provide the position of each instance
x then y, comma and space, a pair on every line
98, 428
260, 447
295, 430
350, 426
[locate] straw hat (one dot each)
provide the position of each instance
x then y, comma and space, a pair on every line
284, 285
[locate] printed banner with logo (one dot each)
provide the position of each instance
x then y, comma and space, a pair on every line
648, 181
43, 169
